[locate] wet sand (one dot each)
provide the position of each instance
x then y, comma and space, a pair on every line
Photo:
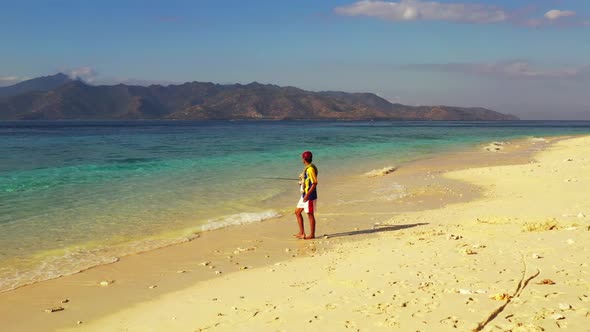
386, 262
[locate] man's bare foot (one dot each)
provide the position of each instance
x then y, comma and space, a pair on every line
309, 237
299, 236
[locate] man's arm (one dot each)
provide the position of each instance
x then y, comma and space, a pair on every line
313, 185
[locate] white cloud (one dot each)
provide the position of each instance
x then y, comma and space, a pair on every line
409, 10
86, 74
519, 69
414, 10
556, 14
560, 18
395, 99
10, 80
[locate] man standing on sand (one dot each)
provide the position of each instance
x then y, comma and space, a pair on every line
309, 196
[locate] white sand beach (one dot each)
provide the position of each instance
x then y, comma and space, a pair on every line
490, 248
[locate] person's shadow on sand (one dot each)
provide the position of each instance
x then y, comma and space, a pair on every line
376, 229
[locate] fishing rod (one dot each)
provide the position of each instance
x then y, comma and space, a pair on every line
276, 178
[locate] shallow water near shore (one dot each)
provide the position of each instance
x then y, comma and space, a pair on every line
79, 194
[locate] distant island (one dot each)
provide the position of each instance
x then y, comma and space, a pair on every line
58, 97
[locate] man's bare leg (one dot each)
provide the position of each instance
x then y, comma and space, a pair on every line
299, 217
311, 218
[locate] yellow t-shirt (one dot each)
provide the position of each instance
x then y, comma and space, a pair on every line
310, 176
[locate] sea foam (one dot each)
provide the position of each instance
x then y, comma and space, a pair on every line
381, 172
71, 261
239, 219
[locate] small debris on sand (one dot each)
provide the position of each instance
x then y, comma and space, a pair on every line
557, 316
239, 249
105, 283
548, 225
54, 309
494, 146
501, 297
546, 282
468, 251
465, 291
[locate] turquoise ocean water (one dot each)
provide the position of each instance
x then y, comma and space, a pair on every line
78, 194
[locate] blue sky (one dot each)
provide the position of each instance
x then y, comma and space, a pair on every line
526, 57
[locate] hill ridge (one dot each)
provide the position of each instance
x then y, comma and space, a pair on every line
76, 100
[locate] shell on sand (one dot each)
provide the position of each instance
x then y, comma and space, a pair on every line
105, 283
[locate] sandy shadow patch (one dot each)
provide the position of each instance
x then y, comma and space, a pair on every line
376, 229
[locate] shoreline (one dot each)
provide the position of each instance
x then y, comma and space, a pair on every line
112, 254
269, 247
159, 241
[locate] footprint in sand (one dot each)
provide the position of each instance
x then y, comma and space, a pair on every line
451, 321
349, 324
330, 306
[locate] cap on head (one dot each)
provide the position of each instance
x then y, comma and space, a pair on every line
307, 155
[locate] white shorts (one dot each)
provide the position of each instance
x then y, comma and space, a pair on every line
308, 207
